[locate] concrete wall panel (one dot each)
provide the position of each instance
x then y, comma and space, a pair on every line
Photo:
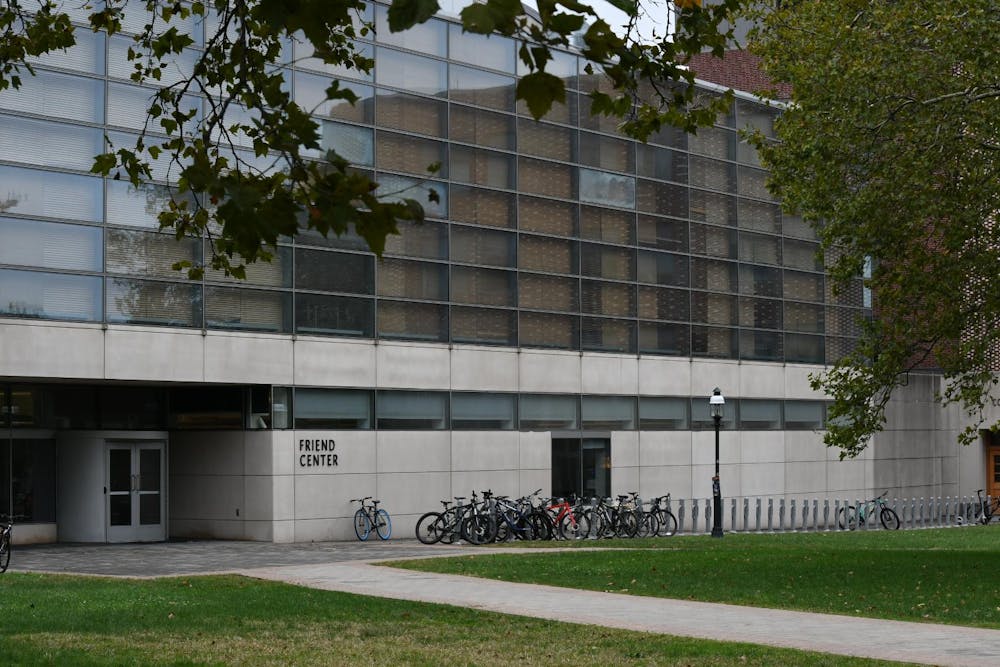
609, 374
158, 355
51, 350
664, 376
248, 358
484, 450
549, 371
413, 366
413, 451
762, 447
664, 448
479, 369
325, 362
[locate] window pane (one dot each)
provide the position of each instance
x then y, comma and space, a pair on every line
605, 152
423, 115
713, 308
599, 187
50, 296
548, 292
712, 174
333, 409
148, 254
310, 94
760, 280
482, 246
563, 65
714, 241
804, 415
601, 261
335, 315
544, 140
760, 249
760, 313
58, 95
714, 142
483, 89
483, 326
763, 345
417, 280
804, 317
661, 163
412, 320
753, 183
247, 310
487, 287
805, 349
481, 127
51, 195
492, 51
303, 50
427, 239
398, 152
560, 112
662, 303
410, 72
334, 271
482, 207
801, 255
548, 330
128, 107
662, 198
354, 144
604, 335
663, 414
713, 275
551, 179
663, 233
411, 410
803, 286
429, 37
49, 144
397, 188
542, 412
541, 253
494, 412
546, 216
662, 268
713, 342
482, 167
759, 216
660, 338
137, 207
756, 116
712, 207
603, 298
760, 415
51, 245
87, 55
153, 303
607, 225
613, 413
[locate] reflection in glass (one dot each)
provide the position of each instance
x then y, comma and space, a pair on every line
491, 51
429, 37
481, 127
410, 72
411, 320
153, 303
411, 410
493, 412
483, 326
247, 310
411, 113
57, 95
50, 245
50, 296
332, 409
661, 413
483, 89
334, 271
334, 315
663, 338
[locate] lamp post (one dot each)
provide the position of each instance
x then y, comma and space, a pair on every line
716, 403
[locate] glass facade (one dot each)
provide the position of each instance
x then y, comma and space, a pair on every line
554, 234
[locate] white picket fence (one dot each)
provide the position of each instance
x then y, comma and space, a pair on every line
783, 514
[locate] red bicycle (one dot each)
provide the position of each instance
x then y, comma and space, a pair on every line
568, 519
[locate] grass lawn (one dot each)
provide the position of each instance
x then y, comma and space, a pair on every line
62, 620
942, 576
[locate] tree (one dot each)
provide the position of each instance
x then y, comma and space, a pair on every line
891, 146
243, 202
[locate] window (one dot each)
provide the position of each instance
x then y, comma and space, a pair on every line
354, 144
804, 415
411, 410
247, 310
483, 89
482, 246
663, 414
426, 239
663, 268
50, 296
409, 320
607, 335
663, 233
701, 419
613, 413
50, 245
598, 187
310, 94
149, 254
412, 279
410, 72
482, 207
547, 412
411, 113
153, 303
398, 152
760, 415
429, 37
334, 315
494, 412
550, 179
662, 338
481, 127
546, 216
482, 167
545, 140
492, 51
333, 409
486, 287
334, 271
58, 95
549, 330
51, 195
483, 326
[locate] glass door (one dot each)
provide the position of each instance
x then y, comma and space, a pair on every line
135, 499
581, 467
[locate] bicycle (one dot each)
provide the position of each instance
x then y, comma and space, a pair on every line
850, 518
369, 516
5, 541
988, 508
667, 522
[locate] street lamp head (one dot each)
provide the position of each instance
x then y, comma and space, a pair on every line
716, 403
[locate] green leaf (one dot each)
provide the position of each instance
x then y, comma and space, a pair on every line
405, 14
539, 90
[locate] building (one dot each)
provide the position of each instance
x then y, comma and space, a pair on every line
557, 323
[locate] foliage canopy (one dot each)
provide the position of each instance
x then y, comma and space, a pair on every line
244, 201
891, 144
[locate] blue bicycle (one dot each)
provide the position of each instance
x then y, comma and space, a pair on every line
369, 516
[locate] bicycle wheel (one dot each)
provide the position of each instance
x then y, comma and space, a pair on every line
668, 523
362, 525
541, 528
574, 526
847, 518
889, 519
430, 528
383, 525
478, 529
450, 529
4, 550
627, 525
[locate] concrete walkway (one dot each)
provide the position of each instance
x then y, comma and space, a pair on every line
843, 635
352, 568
